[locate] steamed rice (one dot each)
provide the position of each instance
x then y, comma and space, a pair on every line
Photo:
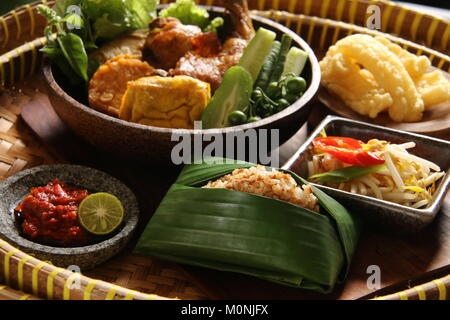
268, 183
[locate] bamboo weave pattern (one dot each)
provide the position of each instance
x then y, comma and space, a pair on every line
438, 289
321, 23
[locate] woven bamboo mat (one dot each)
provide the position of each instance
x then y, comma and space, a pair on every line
19, 149
149, 276
313, 20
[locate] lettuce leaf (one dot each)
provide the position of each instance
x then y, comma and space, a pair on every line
187, 12
112, 17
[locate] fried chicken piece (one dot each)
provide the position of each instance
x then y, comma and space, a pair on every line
168, 41
109, 83
206, 44
203, 68
203, 61
211, 68
242, 21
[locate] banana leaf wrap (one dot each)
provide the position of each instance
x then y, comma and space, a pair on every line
240, 232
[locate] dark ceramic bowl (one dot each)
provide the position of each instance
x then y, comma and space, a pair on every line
15, 188
154, 143
382, 214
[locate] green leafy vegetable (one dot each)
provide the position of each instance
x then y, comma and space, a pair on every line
346, 174
112, 17
73, 49
67, 49
79, 24
189, 13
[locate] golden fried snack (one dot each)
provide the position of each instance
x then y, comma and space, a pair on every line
415, 65
388, 72
433, 87
373, 74
354, 85
109, 83
169, 102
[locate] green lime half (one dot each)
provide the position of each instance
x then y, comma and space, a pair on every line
100, 213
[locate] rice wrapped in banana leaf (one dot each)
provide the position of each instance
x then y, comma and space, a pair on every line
239, 217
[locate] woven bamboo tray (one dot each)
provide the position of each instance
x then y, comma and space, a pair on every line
320, 23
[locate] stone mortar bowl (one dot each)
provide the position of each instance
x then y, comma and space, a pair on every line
15, 188
151, 143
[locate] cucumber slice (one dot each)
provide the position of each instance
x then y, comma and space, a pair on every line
233, 94
256, 51
295, 62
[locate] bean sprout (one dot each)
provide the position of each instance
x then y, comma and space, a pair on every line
407, 179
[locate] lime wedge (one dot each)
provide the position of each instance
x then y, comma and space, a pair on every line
100, 213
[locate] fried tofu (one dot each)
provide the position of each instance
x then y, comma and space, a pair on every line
169, 102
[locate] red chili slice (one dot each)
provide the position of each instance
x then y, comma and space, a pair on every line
348, 150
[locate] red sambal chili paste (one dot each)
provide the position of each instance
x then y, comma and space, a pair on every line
50, 214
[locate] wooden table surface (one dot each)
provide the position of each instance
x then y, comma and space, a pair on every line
402, 260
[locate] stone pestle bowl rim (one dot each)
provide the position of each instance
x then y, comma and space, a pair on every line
14, 188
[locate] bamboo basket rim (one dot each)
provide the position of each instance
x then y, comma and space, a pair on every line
420, 292
6, 293
352, 28
17, 54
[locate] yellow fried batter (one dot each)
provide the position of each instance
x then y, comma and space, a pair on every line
388, 72
356, 86
373, 74
170, 102
109, 83
433, 87
415, 65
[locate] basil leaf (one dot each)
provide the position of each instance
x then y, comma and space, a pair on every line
51, 49
346, 174
73, 49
